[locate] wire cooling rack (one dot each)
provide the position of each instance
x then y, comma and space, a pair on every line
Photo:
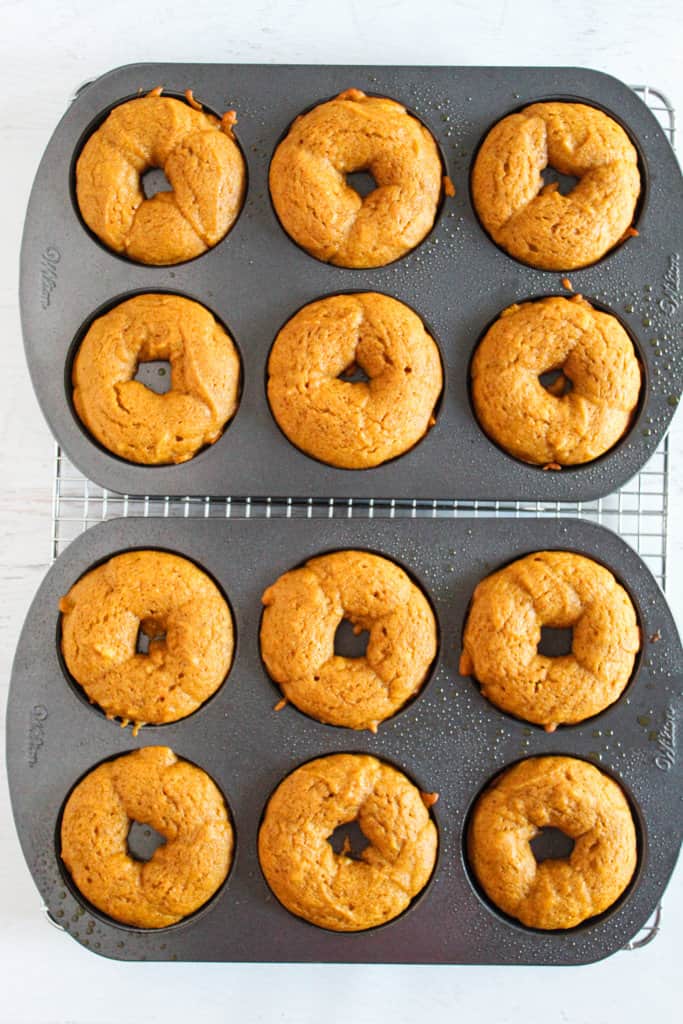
638, 511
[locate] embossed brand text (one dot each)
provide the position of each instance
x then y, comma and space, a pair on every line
671, 286
36, 732
666, 741
48, 274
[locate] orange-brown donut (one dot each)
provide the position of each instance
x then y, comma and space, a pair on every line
201, 160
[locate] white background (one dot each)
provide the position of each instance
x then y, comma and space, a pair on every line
48, 48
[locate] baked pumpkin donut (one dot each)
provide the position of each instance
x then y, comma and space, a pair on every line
323, 213
182, 803
303, 609
201, 160
566, 794
536, 223
560, 590
338, 890
354, 424
595, 356
131, 420
180, 611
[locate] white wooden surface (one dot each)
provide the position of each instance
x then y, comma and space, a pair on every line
46, 49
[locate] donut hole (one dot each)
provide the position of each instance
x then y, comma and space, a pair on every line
349, 641
551, 844
153, 181
349, 840
353, 374
362, 182
555, 643
148, 633
556, 382
155, 374
564, 182
143, 841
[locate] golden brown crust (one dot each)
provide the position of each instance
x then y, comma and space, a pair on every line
165, 596
536, 223
303, 609
335, 890
203, 164
177, 799
131, 420
328, 218
562, 793
361, 424
503, 629
594, 353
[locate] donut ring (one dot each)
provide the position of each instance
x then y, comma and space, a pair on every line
336, 890
181, 612
541, 426
537, 224
360, 424
131, 420
198, 155
553, 792
303, 609
180, 801
328, 218
503, 629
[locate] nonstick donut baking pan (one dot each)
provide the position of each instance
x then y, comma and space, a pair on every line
257, 278
449, 740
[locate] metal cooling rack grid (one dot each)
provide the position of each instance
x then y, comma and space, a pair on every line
637, 512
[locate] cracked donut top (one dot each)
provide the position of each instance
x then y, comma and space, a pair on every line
150, 598
566, 794
128, 418
303, 610
536, 223
179, 801
201, 160
588, 407
346, 422
320, 209
559, 590
341, 891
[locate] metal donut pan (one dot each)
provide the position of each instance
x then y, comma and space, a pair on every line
449, 740
256, 278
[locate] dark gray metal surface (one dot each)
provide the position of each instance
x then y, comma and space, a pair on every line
449, 740
458, 281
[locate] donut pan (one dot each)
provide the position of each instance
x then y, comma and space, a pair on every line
254, 280
449, 740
